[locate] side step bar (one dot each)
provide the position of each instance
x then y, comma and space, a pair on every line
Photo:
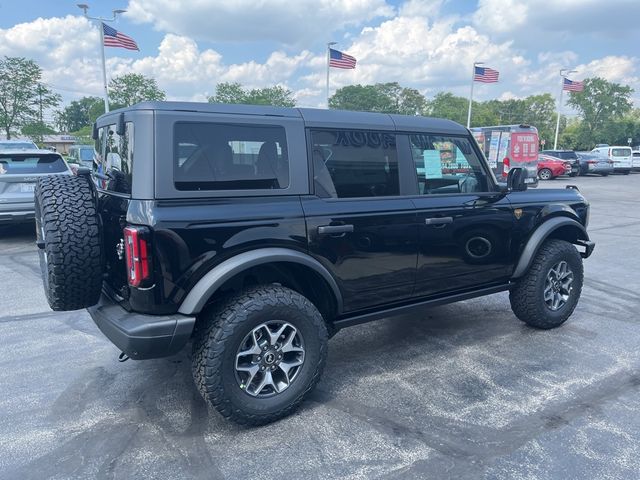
348, 321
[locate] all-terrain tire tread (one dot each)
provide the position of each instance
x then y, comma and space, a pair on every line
524, 297
66, 207
210, 343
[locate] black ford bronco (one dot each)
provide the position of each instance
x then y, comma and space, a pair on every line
256, 233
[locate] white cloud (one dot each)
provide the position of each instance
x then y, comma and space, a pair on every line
289, 22
559, 18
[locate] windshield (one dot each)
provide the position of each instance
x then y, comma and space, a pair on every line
30, 164
16, 145
86, 154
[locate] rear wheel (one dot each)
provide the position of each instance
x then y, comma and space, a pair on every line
549, 292
545, 174
257, 356
68, 236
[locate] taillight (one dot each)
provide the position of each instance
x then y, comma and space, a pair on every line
592, 162
136, 248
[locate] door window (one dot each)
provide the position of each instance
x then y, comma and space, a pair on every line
355, 163
446, 165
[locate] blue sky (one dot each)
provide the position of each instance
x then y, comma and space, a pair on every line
189, 46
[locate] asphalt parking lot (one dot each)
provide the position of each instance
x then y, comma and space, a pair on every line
460, 391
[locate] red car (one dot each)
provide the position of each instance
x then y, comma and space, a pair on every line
551, 167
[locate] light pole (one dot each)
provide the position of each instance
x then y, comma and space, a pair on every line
563, 74
329, 45
84, 7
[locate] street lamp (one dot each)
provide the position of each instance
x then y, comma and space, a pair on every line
84, 7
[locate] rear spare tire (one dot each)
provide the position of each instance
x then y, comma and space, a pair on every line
69, 241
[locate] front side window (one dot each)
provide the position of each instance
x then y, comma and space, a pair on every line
114, 159
354, 163
446, 165
212, 156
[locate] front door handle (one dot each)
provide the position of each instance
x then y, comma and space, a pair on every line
334, 229
438, 220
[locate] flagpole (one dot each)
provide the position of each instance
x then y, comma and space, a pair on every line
329, 44
473, 75
84, 7
563, 73
104, 69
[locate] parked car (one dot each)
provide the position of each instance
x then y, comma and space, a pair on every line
258, 232
551, 167
620, 156
19, 171
17, 145
82, 155
635, 161
590, 163
568, 155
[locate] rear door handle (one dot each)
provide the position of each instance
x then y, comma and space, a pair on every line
334, 229
438, 220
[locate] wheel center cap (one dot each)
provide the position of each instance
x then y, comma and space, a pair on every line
269, 358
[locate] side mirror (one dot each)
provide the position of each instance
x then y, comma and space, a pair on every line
516, 179
94, 132
80, 171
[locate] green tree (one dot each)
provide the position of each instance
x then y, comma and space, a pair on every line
447, 105
79, 113
234, 93
23, 98
382, 97
132, 88
600, 103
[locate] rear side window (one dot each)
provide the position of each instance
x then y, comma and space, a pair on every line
620, 152
213, 156
354, 163
113, 164
30, 164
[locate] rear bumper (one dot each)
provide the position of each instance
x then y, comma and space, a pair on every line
141, 336
17, 212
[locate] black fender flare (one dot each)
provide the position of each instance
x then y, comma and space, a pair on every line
197, 297
540, 234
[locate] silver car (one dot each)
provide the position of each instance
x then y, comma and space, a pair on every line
19, 172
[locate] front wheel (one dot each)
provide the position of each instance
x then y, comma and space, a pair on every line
545, 174
547, 295
257, 356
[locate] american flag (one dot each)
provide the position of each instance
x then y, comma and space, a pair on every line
485, 75
337, 59
571, 86
114, 38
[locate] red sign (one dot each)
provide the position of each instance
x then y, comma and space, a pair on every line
524, 147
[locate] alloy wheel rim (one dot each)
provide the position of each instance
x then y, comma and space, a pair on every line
558, 286
269, 359
545, 175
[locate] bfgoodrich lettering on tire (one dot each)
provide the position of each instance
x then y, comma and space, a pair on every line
258, 355
547, 295
68, 235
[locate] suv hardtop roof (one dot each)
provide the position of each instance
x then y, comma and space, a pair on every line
313, 117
